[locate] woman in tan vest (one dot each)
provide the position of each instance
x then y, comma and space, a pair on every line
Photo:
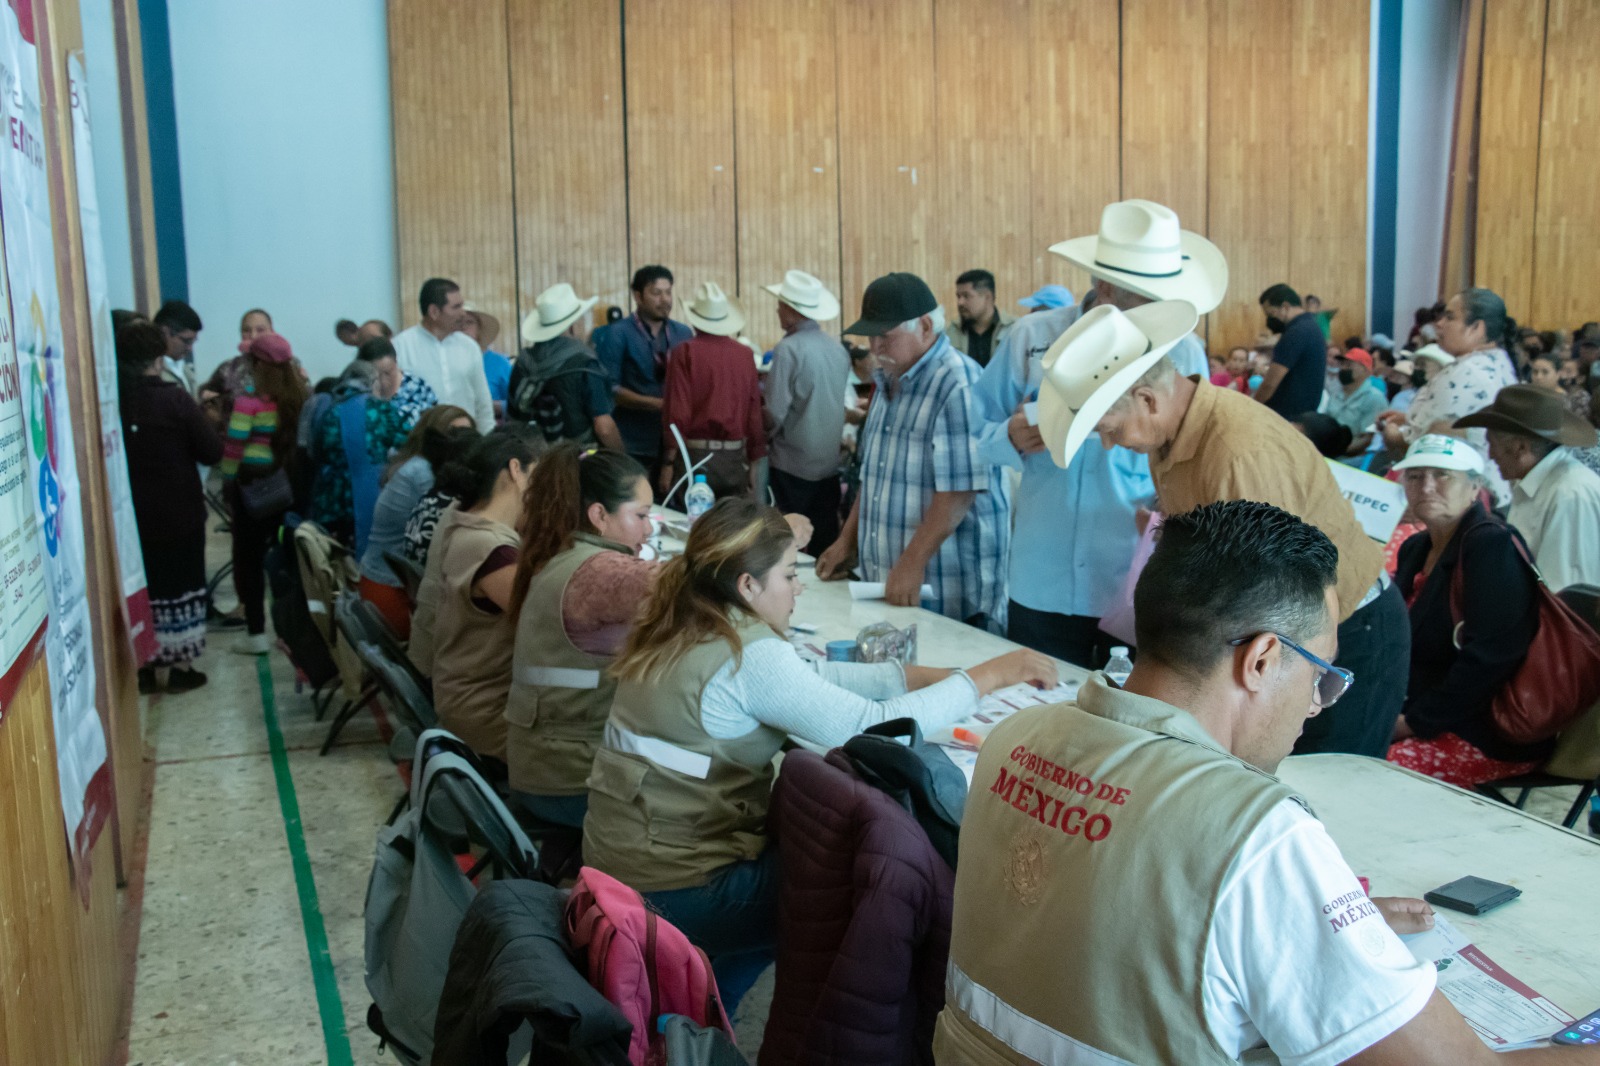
579, 586
461, 634
708, 689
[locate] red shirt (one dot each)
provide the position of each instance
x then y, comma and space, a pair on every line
713, 392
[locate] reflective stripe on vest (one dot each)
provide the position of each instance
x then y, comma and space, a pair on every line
670, 756
1026, 1036
559, 677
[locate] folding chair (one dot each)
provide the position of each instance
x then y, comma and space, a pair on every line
1576, 760
409, 573
352, 626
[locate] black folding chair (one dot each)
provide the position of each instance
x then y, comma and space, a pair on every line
353, 626
1585, 602
409, 573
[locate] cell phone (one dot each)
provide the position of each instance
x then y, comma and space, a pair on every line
1585, 1030
1472, 895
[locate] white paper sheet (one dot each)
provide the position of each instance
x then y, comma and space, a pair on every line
873, 590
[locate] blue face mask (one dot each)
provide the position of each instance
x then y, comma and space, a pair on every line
1255, 382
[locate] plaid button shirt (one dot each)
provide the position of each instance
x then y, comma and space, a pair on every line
923, 440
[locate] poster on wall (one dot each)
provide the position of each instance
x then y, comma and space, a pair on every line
24, 601
130, 557
85, 777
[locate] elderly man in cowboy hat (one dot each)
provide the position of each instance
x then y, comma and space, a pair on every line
930, 510
1109, 374
484, 328
713, 396
805, 420
1074, 535
1555, 499
558, 383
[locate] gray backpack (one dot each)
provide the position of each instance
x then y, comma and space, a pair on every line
418, 891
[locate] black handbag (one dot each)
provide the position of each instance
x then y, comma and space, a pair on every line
267, 497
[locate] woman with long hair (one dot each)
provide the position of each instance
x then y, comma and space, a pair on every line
443, 434
168, 438
462, 630
257, 470
579, 585
708, 690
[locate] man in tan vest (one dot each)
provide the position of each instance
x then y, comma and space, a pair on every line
1136, 887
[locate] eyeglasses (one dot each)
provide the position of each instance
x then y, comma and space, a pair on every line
1332, 681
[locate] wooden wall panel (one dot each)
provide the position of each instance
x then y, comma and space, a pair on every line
1508, 149
681, 205
1074, 128
452, 153
1248, 196
983, 97
568, 151
1567, 223
785, 115
1327, 147
1165, 69
887, 202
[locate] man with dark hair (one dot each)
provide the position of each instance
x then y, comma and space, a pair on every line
1135, 884
634, 351
1109, 374
446, 359
348, 333
1555, 499
1324, 318
181, 326
1293, 383
980, 326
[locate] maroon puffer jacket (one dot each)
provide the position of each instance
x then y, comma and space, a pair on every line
863, 922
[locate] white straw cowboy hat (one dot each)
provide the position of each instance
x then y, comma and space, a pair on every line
714, 311
1098, 359
1140, 248
807, 295
556, 309
1435, 353
488, 325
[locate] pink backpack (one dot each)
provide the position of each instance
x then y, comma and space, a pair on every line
640, 961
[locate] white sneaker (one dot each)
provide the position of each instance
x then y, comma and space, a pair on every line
254, 644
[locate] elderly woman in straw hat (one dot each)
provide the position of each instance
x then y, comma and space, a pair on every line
558, 382
1462, 654
713, 396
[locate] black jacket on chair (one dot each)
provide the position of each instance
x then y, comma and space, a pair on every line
1451, 689
510, 964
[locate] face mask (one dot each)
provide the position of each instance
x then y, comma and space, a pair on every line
1255, 382
1418, 378
1275, 324
1347, 376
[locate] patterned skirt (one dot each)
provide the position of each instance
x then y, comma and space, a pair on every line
1449, 758
175, 572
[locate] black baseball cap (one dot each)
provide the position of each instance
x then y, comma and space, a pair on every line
891, 300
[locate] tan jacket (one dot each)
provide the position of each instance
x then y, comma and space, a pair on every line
1095, 842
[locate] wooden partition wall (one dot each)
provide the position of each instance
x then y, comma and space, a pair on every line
1532, 223
539, 141
64, 956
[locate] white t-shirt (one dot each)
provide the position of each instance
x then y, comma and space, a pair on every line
1299, 958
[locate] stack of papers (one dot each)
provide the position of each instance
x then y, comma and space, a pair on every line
993, 709
1505, 1013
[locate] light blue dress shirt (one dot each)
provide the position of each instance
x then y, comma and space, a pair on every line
1073, 534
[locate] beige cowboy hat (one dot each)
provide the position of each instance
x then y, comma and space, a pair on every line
1435, 353
556, 309
488, 325
714, 311
807, 295
1140, 248
1098, 359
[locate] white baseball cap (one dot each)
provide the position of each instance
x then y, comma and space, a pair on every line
1442, 453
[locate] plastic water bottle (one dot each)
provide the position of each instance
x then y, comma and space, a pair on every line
698, 500
1119, 666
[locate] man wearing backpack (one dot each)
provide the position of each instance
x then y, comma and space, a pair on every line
558, 385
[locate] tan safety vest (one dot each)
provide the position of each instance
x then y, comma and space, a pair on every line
1095, 842
471, 646
560, 694
669, 804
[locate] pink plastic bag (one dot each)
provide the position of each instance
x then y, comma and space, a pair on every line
1118, 621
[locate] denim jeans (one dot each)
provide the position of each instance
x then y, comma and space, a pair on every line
1375, 645
733, 918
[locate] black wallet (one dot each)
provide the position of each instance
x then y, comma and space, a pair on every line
1473, 895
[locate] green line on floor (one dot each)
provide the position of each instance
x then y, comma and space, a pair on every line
329, 1005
